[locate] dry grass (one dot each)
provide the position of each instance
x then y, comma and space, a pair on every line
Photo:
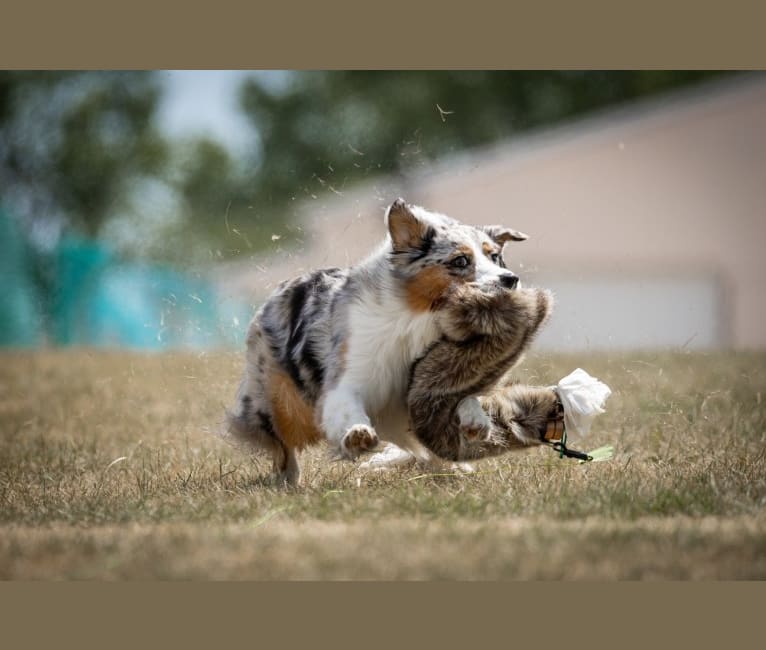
108, 470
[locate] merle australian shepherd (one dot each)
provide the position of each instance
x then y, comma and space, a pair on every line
354, 356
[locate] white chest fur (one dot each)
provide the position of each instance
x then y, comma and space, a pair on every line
384, 340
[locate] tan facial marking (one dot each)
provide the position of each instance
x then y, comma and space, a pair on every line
293, 416
428, 288
489, 249
464, 250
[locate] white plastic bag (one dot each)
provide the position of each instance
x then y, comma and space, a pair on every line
583, 398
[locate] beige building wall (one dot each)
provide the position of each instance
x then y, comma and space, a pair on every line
649, 222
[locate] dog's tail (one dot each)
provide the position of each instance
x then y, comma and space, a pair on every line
249, 427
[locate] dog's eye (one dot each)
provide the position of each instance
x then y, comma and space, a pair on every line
460, 262
495, 257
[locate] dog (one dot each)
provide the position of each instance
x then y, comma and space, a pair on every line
329, 354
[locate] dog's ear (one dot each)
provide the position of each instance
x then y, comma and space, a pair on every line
406, 230
501, 234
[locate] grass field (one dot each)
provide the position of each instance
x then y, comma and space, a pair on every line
108, 470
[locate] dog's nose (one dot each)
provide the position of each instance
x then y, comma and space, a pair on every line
509, 280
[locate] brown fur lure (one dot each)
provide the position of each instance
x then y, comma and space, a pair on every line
486, 333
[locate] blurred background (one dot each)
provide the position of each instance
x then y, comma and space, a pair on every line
156, 210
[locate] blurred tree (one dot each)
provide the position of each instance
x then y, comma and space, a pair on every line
80, 153
326, 129
220, 217
73, 148
72, 144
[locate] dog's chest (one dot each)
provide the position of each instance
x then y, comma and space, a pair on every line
384, 340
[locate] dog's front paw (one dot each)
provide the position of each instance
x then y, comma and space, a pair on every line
358, 439
475, 424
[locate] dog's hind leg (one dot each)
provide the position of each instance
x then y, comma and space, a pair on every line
250, 422
255, 426
253, 419
286, 466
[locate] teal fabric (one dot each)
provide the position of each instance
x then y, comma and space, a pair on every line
95, 299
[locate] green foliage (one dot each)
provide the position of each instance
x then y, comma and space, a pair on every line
73, 142
221, 216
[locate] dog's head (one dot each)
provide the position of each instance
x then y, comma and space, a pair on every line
433, 254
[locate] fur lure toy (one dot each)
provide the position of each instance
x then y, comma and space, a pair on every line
486, 333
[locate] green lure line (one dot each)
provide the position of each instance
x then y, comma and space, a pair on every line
597, 455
